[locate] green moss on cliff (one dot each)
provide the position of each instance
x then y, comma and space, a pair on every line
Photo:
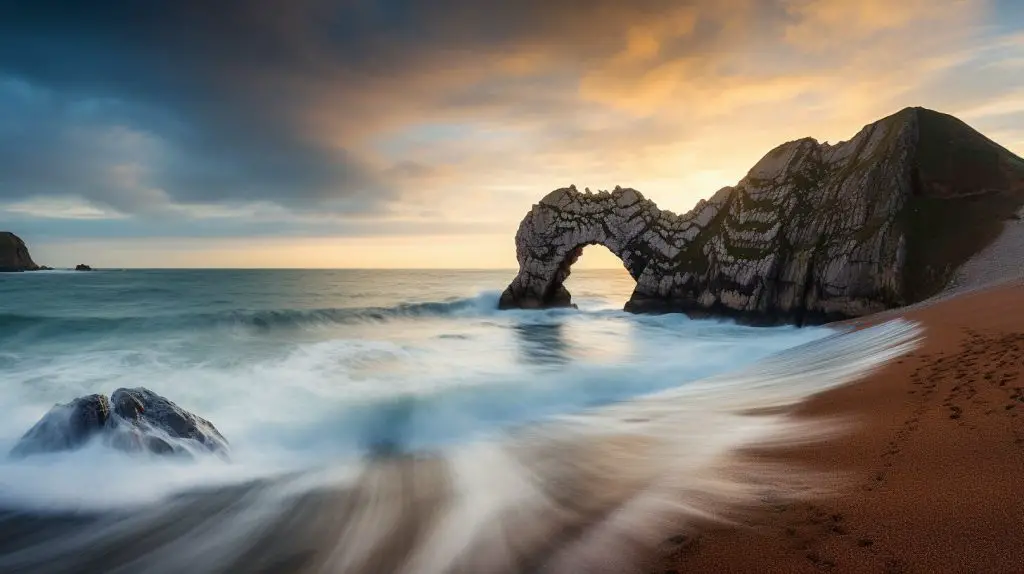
746, 252
691, 258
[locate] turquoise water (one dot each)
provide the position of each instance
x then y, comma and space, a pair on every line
297, 367
517, 441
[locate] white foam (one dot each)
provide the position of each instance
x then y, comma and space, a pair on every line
320, 394
576, 493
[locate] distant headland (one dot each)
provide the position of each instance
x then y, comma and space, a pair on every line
14, 255
15, 258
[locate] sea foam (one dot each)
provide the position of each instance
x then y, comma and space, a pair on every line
585, 490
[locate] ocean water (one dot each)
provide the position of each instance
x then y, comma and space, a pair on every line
305, 371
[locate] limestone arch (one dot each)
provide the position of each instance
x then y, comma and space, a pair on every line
556, 294
554, 233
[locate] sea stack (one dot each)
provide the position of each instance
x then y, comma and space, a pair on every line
813, 233
14, 254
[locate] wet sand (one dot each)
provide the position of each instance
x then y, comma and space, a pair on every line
935, 459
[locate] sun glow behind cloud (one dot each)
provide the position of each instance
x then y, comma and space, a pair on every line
337, 135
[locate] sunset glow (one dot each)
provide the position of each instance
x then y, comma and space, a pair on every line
424, 145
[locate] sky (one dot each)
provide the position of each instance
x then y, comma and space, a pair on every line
410, 134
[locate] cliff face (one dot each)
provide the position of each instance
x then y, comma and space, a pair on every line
814, 232
14, 254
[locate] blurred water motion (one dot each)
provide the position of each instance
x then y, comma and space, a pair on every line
579, 492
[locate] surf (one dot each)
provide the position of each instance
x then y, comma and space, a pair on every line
335, 399
605, 479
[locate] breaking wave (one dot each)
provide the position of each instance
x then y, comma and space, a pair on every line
14, 325
378, 424
583, 490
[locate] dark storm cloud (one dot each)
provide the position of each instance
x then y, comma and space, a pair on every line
205, 101
208, 87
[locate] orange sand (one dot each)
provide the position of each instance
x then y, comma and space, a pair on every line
937, 463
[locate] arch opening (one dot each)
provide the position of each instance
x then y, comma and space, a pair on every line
593, 277
552, 236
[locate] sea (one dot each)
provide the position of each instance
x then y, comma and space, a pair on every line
306, 370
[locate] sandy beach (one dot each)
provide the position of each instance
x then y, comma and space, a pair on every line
936, 458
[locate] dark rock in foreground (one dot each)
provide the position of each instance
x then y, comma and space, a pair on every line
142, 406
67, 426
813, 233
82, 267
14, 254
134, 420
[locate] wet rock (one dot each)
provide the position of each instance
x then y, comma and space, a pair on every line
66, 426
133, 420
127, 405
82, 267
148, 408
813, 233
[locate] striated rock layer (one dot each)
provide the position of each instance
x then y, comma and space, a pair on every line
813, 233
14, 254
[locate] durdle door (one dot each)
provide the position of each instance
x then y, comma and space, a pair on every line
814, 232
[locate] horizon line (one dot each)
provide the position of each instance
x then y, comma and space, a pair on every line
129, 268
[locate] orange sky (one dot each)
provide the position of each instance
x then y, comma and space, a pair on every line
676, 99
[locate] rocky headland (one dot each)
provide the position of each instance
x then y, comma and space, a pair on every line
814, 232
14, 254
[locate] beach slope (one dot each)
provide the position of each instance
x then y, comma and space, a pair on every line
936, 459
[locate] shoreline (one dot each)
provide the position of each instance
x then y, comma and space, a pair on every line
935, 460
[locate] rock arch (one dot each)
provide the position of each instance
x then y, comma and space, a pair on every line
553, 234
814, 232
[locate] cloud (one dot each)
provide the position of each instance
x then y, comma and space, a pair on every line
133, 103
264, 100
822, 24
304, 112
